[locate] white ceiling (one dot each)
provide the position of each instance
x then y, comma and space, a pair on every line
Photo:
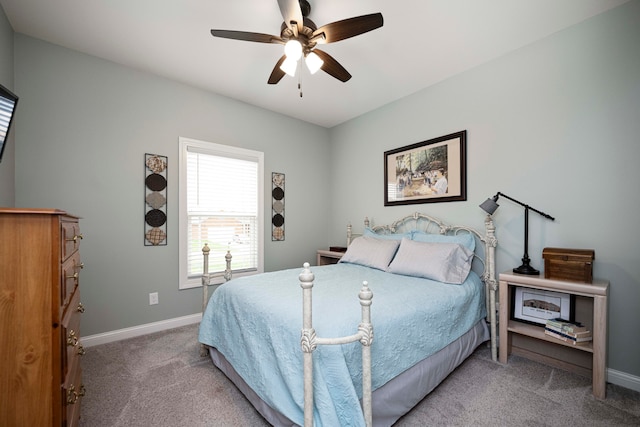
421, 43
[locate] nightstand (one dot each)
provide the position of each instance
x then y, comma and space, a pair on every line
325, 257
531, 342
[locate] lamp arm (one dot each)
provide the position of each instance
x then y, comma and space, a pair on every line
524, 205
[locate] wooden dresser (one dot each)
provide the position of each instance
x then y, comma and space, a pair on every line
40, 308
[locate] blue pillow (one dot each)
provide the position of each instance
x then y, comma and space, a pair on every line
368, 231
465, 239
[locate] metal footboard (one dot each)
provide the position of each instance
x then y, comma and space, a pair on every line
309, 341
206, 281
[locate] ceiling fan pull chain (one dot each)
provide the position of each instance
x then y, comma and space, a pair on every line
300, 83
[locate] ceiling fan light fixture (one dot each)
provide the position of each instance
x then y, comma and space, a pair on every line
314, 62
300, 35
289, 66
293, 50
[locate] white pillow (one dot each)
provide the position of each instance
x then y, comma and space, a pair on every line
371, 252
444, 262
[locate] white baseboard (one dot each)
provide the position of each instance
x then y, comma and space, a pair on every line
136, 331
623, 379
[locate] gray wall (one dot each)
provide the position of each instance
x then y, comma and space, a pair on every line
554, 125
6, 79
85, 125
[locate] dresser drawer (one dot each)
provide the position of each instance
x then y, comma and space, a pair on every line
73, 390
70, 279
71, 337
70, 238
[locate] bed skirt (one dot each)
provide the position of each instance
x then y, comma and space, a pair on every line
395, 398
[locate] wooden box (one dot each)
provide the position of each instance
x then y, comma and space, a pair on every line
575, 265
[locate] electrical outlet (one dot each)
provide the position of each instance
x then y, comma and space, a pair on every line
153, 298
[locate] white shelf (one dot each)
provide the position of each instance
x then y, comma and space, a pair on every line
538, 333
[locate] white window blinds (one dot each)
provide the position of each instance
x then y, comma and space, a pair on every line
222, 207
6, 110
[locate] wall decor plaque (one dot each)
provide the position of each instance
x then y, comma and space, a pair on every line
277, 206
155, 200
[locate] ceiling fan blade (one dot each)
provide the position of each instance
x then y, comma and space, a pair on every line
332, 67
246, 36
291, 12
277, 74
351, 27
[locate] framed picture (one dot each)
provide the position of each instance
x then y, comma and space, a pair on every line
537, 306
427, 172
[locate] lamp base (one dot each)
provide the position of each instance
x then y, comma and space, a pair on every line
526, 269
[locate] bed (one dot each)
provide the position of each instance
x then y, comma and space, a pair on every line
429, 316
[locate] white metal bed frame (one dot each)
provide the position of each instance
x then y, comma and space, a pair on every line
427, 223
309, 341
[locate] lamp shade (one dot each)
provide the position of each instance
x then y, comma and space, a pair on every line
289, 66
314, 62
293, 49
489, 206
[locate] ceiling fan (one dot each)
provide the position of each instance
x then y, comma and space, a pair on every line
300, 35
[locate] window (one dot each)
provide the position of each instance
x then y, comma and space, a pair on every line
221, 199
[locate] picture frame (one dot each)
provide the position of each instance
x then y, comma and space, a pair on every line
536, 306
427, 172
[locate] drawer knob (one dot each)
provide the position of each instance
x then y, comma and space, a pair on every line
81, 351
73, 276
72, 339
75, 238
80, 308
73, 395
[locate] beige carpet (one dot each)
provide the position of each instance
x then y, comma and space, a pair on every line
160, 380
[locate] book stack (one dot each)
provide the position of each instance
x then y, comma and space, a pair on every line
571, 332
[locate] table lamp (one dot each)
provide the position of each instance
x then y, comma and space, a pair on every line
490, 206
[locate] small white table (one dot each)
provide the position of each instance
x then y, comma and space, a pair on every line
325, 257
598, 291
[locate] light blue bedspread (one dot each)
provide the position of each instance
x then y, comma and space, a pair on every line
255, 322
